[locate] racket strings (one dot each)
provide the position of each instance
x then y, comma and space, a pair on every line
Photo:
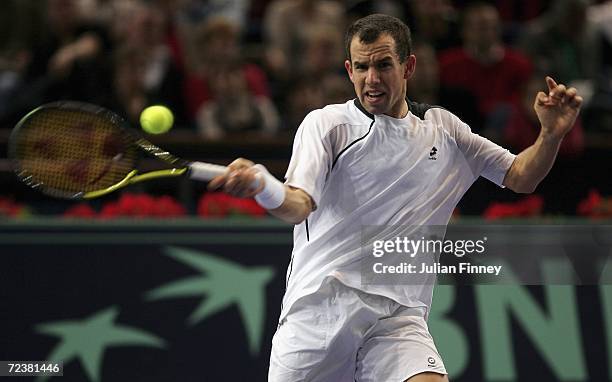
73, 151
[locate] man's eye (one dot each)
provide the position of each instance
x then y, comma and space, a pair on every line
384, 65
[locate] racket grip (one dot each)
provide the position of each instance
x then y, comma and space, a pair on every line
205, 171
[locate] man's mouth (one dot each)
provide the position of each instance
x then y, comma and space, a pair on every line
373, 96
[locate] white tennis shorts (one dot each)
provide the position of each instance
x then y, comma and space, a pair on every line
341, 334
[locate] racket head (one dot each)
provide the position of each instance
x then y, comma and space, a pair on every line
66, 149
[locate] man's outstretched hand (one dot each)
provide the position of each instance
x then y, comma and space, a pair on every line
557, 110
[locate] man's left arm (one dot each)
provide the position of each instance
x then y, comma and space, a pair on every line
557, 112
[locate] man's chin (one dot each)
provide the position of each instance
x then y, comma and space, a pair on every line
373, 109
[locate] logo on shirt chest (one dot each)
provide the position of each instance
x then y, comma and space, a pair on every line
433, 153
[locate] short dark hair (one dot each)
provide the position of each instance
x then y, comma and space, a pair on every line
369, 28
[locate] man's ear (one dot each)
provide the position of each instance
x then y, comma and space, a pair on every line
349, 69
410, 66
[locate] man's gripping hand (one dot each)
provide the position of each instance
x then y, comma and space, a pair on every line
557, 110
241, 180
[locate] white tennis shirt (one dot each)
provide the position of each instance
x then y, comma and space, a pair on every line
363, 170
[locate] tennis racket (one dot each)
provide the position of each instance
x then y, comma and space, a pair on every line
76, 150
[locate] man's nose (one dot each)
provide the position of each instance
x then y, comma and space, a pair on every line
372, 76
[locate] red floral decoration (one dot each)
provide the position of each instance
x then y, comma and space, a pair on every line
130, 205
218, 204
529, 206
8, 207
595, 206
142, 205
81, 210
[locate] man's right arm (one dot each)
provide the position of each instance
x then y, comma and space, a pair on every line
238, 181
309, 163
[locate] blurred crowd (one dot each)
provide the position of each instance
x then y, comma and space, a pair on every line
228, 66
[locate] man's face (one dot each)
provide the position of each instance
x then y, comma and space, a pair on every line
482, 28
378, 76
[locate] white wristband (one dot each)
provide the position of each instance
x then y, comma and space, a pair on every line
273, 193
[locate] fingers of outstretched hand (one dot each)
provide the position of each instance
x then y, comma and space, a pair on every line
556, 92
551, 83
559, 94
572, 98
541, 99
576, 102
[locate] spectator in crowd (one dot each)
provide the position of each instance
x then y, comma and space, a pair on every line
129, 93
286, 25
434, 22
13, 62
310, 93
20, 22
569, 54
598, 112
356, 9
176, 31
198, 11
120, 13
522, 127
514, 14
68, 61
520, 11
320, 78
336, 89
215, 44
154, 78
322, 55
425, 87
600, 17
98, 11
491, 71
305, 95
234, 109
49, 53
317, 74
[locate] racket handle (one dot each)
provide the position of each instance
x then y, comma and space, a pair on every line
205, 171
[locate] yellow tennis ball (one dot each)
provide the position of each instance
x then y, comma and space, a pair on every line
156, 119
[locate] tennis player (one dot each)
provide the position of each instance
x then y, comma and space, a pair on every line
383, 160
